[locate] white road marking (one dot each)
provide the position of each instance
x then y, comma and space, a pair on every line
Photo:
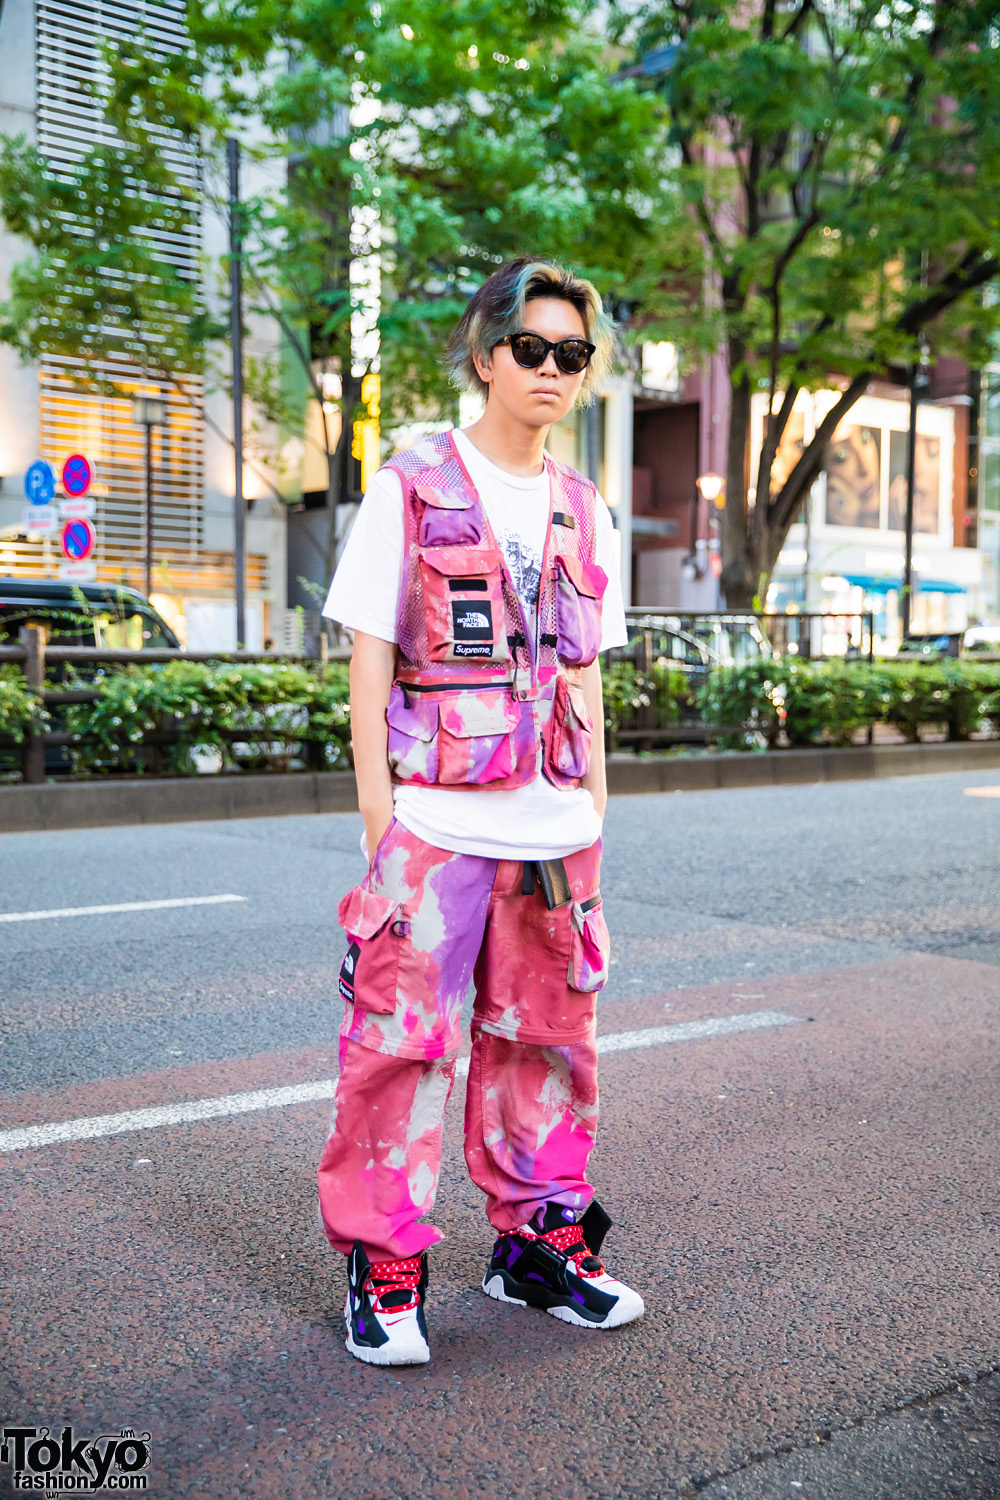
100, 911
28, 1137
981, 791
685, 1031
690, 1031
164, 1114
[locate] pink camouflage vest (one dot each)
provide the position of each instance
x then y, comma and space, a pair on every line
484, 697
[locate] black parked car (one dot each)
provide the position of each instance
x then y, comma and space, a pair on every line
88, 614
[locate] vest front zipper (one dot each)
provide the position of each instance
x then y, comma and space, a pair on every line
453, 687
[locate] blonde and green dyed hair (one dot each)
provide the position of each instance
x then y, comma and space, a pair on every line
497, 309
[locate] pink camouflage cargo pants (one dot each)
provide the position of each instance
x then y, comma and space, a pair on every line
423, 923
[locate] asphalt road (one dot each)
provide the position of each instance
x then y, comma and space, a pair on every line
809, 1208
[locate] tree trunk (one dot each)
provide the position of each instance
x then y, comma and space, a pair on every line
739, 578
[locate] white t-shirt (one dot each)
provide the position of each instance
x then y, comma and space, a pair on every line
537, 821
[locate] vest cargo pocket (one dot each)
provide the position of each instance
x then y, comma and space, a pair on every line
375, 930
413, 737
571, 732
580, 588
590, 946
476, 743
463, 604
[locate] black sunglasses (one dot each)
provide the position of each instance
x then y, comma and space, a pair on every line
530, 350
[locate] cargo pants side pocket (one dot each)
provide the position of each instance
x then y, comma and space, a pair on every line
375, 930
590, 946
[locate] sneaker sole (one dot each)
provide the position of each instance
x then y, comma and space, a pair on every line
494, 1287
384, 1354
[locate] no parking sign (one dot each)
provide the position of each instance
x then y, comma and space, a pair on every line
77, 540
77, 475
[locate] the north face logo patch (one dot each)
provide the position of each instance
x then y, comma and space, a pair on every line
347, 968
472, 627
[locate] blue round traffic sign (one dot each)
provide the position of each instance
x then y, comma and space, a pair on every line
77, 540
40, 483
77, 475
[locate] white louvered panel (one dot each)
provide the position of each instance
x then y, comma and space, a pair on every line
69, 34
101, 426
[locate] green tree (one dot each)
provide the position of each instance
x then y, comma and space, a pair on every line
437, 141
837, 176
97, 286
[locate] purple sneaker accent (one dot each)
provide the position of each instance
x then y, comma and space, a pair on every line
558, 1271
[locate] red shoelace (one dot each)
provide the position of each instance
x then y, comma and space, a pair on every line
393, 1276
561, 1240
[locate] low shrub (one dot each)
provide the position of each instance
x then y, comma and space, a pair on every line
21, 712
747, 703
660, 695
171, 719
159, 718
831, 702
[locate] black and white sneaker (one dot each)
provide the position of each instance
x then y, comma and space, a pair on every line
384, 1311
553, 1263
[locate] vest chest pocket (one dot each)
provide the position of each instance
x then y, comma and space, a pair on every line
463, 604
580, 589
375, 930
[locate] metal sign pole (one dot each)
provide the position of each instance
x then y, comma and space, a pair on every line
149, 508
911, 453
236, 334
919, 386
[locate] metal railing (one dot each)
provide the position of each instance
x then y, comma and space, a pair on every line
652, 683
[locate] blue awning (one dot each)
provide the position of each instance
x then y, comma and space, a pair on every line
873, 585
939, 586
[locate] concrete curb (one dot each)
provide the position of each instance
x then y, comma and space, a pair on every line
108, 804
798, 767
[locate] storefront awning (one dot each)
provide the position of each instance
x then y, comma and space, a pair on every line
873, 585
939, 586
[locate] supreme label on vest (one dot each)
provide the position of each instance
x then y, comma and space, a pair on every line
472, 626
347, 972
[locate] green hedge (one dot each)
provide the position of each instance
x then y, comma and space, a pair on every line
829, 702
20, 711
277, 715
663, 691
273, 708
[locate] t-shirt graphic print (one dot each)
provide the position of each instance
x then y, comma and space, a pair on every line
524, 565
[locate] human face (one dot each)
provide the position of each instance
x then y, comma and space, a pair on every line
926, 482
536, 398
852, 470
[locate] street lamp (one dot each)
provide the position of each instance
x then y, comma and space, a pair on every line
149, 412
710, 486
